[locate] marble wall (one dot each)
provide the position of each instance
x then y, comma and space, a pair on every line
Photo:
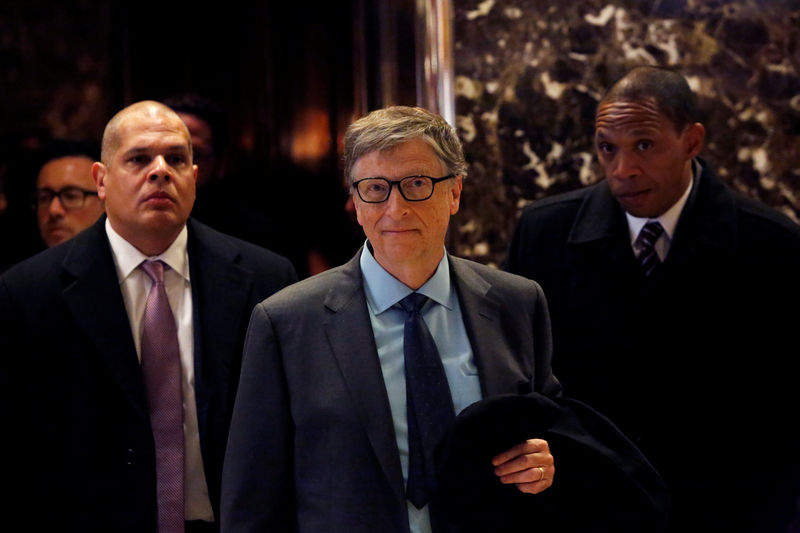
54, 63
529, 74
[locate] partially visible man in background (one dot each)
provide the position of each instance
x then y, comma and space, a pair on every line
66, 196
220, 202
208, 128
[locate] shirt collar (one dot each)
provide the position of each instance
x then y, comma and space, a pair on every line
127, 257
384, 290
669, 219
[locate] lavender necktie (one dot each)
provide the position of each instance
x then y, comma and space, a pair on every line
646, 241
161, 370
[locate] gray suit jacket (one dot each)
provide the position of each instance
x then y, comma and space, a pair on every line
312, 445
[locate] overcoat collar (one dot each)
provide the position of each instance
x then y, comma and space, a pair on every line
708, 220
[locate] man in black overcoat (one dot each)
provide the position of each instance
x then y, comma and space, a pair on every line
681, 332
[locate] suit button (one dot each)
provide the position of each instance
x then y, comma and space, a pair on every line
129, 456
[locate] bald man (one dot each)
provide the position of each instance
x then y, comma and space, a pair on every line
109, 429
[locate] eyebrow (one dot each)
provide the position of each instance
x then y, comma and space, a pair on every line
144, 149
643, 132
636, 132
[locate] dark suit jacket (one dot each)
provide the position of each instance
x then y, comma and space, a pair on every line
78, 449
696, 364
312, 445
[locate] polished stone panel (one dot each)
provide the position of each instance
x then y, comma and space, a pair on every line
529, 73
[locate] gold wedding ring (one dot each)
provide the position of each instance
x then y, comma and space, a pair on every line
541, 469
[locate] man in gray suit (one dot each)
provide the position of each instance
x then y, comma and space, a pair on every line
320, 437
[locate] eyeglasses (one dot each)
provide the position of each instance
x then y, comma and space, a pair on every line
70, 197
412, 188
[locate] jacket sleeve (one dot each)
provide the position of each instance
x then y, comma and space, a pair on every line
257, 476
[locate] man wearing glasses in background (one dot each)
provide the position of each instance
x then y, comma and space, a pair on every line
324, 436
66, 199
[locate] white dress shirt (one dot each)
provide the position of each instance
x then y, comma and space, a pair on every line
135, 286
668, 221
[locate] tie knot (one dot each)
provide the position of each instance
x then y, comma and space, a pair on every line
154, 270
650, 234
413, 302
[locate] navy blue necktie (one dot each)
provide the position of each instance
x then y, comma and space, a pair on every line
648, 257
428, 399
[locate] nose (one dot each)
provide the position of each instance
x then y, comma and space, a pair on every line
396, 205
626, 166
56, 208
160, 169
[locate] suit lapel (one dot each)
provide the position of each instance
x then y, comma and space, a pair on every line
349, 333
498, 369
601, 233
220, 289
91, 292
708, 223
707, 232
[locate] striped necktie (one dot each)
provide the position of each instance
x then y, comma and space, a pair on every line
646, 243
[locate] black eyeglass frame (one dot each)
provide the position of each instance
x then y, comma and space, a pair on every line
53, 194
396, 183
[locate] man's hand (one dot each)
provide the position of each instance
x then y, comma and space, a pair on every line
528, 465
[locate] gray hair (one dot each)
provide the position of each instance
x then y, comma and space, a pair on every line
384, 129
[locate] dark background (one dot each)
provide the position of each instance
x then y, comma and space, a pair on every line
292, 75
289, 75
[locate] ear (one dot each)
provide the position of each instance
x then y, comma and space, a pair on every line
194, 169
455, 194
694, 135
99, 173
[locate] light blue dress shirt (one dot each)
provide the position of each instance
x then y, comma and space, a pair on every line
443, 317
